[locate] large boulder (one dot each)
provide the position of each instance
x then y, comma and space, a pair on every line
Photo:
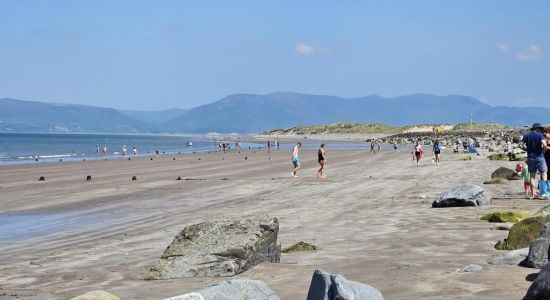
326, 286
538, 252
235, 289
540, 288
464, 195
523, 233
96, 295
219, 248
505, 173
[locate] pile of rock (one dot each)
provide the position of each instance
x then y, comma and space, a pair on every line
464, 195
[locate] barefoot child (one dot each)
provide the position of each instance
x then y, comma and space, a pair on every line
524, 172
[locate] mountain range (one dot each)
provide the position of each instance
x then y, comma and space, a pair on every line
250, 113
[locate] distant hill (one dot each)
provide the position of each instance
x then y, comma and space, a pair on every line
248, 113
154, 117
30, 116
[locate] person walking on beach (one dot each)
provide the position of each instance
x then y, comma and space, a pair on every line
372, 147
395, 147
379, 146
535, 144
134, 150
296, 159
417, 153
157, 152
437, 151
322, 160
124, 150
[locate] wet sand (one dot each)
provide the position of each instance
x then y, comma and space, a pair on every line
371, 220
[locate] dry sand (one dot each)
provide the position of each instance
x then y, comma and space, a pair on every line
371, 220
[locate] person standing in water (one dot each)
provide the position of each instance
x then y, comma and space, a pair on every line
322, 160
437, 151
105, 151
417, 152
134, 150
296, 159
124, 150
157, 152
97, 151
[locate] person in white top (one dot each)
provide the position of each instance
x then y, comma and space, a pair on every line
417, 153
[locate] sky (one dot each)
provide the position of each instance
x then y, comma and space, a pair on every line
154, 55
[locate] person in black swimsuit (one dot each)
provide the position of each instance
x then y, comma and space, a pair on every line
321, 158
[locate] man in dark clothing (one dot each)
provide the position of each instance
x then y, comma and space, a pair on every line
535, 145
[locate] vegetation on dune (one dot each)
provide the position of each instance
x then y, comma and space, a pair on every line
340, 127
476, 127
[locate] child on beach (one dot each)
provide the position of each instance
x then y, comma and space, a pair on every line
523, 170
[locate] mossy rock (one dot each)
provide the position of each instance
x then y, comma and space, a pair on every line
495, 181
465, 157
523, 233
299, 247
505, 216
545, 211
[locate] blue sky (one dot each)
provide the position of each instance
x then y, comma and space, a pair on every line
152, 55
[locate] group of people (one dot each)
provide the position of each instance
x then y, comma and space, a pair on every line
123, 153
321, 159
535, 143
418, 153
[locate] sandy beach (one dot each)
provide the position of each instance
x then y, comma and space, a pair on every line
371, 220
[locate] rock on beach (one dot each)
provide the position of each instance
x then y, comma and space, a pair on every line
219, 248
464, 195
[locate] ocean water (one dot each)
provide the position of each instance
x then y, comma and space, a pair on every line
18, 148
36, 148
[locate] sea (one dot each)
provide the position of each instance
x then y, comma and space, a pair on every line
38, 148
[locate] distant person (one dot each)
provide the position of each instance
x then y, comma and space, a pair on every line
455, 148
278, 144
417, 153
296, 159
97, 151
105, 151
535, 144
379, 146
437, 151
372, 149
157, 152
395, 147
124, 150
322, 160
134, 150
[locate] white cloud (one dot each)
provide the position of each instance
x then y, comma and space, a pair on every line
304, 48
503, 47
533, 53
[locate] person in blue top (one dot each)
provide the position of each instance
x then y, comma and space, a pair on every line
535, 145
437, 151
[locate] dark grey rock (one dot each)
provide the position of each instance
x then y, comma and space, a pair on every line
235, 289
326, 286
219, 248
464, 195
540, 288
505, 173
538, 252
